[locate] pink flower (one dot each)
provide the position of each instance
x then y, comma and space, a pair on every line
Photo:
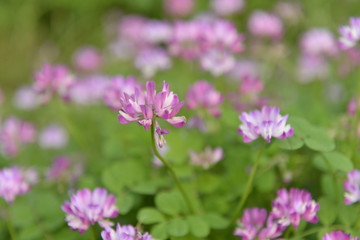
117, 88
338, 235
217, 62
203, 94
53, 136
352, 106
90, 90
207, 158
156, 32
87, 208
263, 24
60, 165
13, 134
311, 67
185, 41
352, 187
178, 8
227, 7
131, 28
87, 59
142, 107
319, 42
13, 182
255, 224
244, 68
26, 98
267, 123
350, 34
251, 85
151, 60
126, 232
53, 79
291, 206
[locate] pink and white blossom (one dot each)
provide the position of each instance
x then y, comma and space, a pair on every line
350, 34
90, 207
264, 24
339, 235
266, 123
178, 8
227, 7
207, 158
151, 60
88, 59
352, 187
124, 232
53, 136
319, 42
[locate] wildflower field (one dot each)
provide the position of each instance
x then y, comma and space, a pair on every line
180, 120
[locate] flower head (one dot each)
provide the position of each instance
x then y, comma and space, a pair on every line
227, 7
142, 107
338, 235
203, 94
263, 24
207, 158
267, 123
53, 136
291, 206
13, 182
151, 60
60, 165
178, 7
13, 134
53, 79
87, 208
87, 59
125, 232
352, 187
255, 224
319, 42
350, 34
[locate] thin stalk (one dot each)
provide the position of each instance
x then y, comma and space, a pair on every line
93, 233
315, 230
10, 226
333, 178
170, 169
248, 187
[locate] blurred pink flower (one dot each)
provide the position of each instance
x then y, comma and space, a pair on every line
311, 67
251, 85
352, 187
51, 80
294, 205
131, 27
339, 235
207, 158
125, 232
13, 134
319, 42
178, 8
255, 224
156, 32
267, 123
89, 207
353, 105
227, 7
350, 34
217, 62
264, 24
203, 95
60, 166
13, 182
26, 98
117, 88
53, 136
88, 59
151, 60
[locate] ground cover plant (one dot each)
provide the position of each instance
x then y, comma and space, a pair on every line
181, 120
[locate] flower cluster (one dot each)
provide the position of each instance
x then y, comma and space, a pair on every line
288, 209
144, 106
206, 158
352, 187
126, 232
339, 235
264, 24
350, 34
203, 94
15, 181
267, 123
14, 133
87, 208
53, 136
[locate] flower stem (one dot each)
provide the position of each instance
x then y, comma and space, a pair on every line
248, 187
10, 226
171, 170
93, 232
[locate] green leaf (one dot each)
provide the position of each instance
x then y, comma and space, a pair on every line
178, 227
150, 216
125, 202
348, 214
147, 188
159, 231
168, 203
291, 143
319, 140
122, 174
302, 128
30, 232
266, 182
198, 226
339, 161
327, 213
216, 221
208, 183
22, 215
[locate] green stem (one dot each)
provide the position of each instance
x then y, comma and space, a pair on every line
247, 187
10, 226
315, 230
333, 175
170, 169
93, 232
